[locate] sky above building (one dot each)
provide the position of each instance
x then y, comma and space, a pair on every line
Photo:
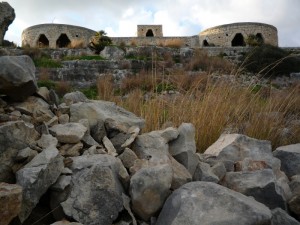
178, 17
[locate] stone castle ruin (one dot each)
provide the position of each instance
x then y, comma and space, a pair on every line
229, 35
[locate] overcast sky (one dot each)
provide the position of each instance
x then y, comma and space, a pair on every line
178, 17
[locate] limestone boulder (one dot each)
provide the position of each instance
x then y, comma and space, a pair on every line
209, 203
183, 149
290, 157
15, 136
96, 111
70, 133
149, 188
37, 176
74, 97
97, 185
280, 217
7, 16
236, 147
37, 108
17, 73
10, 201
260, 184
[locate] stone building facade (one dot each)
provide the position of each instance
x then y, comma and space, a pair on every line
236, 34
229, 35
149, 31
55, 35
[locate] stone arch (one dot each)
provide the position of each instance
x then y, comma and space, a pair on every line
238, 40
205, 43
63, 41
149, 33
42, 41
260, 38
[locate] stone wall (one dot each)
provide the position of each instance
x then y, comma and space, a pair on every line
55, 35
236, 34
149, 31
190, 41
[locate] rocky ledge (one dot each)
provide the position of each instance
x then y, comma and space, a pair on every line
87, 162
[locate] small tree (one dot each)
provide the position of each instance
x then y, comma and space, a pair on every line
99, 41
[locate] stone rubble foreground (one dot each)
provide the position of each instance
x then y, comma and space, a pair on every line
90, 162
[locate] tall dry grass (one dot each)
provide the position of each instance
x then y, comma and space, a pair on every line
75, 44
213, 108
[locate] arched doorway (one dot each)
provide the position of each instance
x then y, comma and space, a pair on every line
43, 41
149, 33
205, 43
259, 38
63, 41
238, 40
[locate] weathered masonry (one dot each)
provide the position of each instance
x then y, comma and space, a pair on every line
236, 34
229, 35
149, 31
55, 35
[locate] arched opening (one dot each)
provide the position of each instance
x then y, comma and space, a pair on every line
205, 43
43, 41
63, 41
260, 38
149, 33
238, 40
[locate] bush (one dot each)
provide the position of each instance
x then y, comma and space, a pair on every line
271, 61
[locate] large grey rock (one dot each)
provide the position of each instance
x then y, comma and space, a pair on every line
183, 149
74, 97
96, 189
280, 217
7, 16
10, 201
149, 188
17, 73
295, 184
37, 176
290, 158
204, 172
209, 203
181, 175
102, 110
236, 147
152, 147
260, 184
70, 133
15, 136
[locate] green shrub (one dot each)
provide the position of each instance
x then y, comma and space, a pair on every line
46, 62
84, 57
90, 93
272, 61
46, 83
99, 41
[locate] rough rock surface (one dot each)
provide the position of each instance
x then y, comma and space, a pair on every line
37, 176
280, 217
290, 157
260, 184
7, 16
102, 110
10, 201
102, 178
70, 133
210, 203
15, 136
149, 188
183, 149
17, 73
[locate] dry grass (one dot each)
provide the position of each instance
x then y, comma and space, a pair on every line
75, 44
213, 108
201, 61
174, 43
